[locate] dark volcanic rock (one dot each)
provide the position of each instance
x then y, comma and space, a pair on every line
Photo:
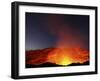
47, 64
78, 64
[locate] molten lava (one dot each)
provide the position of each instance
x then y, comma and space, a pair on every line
57, 57
66, 56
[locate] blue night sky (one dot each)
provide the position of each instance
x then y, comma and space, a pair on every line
45, 30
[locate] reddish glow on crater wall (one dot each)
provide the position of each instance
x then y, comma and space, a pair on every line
66, 56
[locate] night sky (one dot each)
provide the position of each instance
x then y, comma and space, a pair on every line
47, 30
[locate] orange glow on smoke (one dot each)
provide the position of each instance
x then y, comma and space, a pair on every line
66, 56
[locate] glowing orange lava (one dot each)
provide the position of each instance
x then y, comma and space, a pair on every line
66, 56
